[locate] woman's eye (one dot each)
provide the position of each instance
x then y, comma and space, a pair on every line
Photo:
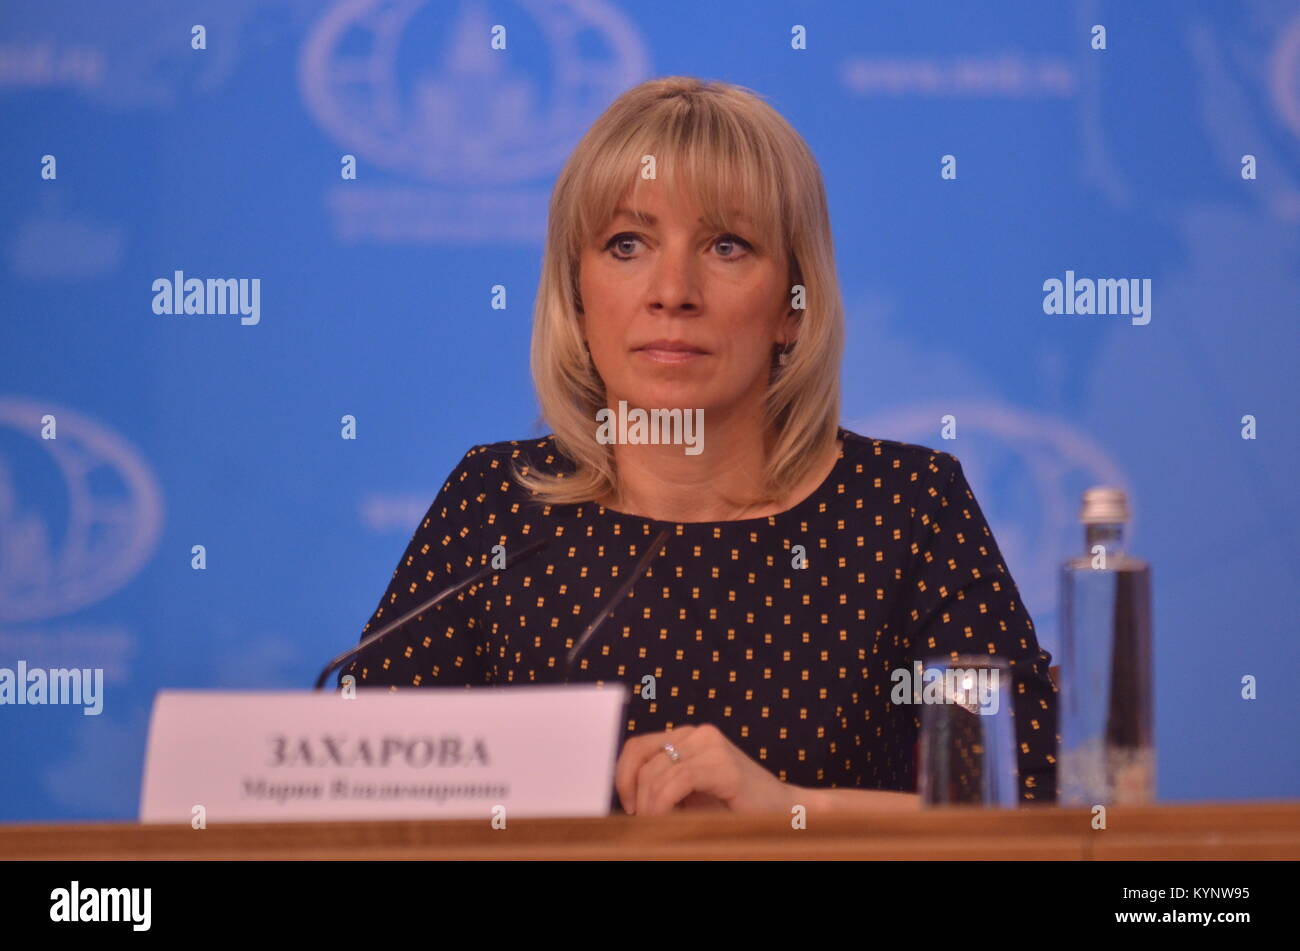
624, 246
732, 241
621, 242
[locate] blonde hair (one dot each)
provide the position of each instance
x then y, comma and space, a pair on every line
720, 142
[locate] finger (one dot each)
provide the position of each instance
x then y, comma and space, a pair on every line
687, 742
638, 750
669, 789
661, 762
711, 771
649, 775
704, 801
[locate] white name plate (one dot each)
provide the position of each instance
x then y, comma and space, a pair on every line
433, 753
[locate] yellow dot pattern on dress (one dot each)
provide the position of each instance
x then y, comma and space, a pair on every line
792, 663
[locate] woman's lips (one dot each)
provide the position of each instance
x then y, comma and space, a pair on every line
669, 356
671, 351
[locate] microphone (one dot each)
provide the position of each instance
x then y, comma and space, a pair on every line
521, 554
641, 567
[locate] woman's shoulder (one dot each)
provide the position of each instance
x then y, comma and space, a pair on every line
536, 454
921, 477
872, 453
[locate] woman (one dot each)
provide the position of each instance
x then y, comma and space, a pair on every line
689, 274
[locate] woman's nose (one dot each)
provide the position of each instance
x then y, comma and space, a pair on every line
675, 281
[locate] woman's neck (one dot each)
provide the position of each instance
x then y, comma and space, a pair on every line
724, 483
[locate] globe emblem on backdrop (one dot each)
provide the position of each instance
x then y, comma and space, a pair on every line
1284, 75
79, 514
1027, 471
415, 88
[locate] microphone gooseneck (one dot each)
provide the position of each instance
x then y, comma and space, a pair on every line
641, 567
526, 552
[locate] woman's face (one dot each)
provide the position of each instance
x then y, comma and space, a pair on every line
680, 316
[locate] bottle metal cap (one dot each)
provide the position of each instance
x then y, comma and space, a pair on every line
1104, 505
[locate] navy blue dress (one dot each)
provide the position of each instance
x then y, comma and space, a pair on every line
792, 663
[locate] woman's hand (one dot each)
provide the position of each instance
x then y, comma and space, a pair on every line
712, 772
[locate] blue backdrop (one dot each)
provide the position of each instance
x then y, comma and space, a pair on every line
225, 162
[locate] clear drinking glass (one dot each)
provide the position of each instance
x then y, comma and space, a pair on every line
968, 737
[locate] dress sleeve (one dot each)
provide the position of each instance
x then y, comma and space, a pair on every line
964, 601
441, 648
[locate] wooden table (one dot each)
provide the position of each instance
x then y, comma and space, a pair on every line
1245, 830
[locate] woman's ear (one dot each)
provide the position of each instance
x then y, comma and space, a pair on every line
789, 330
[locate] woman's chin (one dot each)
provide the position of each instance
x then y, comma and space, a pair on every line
668, 397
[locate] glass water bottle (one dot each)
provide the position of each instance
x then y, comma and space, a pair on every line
1107, 753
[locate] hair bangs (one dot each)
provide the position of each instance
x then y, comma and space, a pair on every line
703, 154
